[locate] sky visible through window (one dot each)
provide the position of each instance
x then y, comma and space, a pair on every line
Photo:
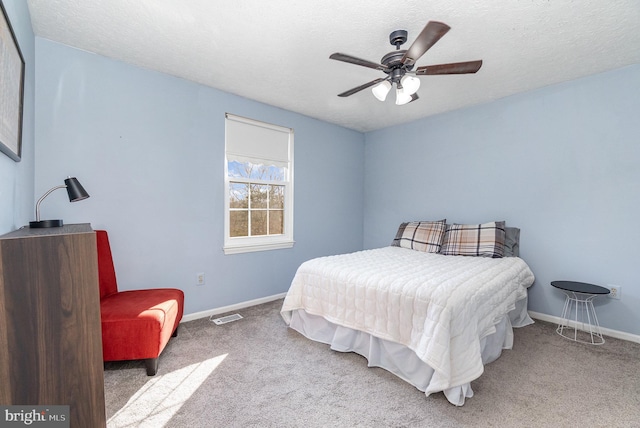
255, 171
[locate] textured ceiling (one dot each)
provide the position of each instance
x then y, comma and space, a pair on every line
277, 52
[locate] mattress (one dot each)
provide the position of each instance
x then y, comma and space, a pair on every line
440, 308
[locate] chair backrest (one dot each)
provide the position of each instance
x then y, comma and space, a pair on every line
106, 271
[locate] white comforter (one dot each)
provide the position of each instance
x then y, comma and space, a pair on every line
438, 306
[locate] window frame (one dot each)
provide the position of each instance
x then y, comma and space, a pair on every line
245, 244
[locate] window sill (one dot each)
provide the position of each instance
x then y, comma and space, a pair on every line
250, 248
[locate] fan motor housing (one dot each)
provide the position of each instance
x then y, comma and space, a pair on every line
392, 58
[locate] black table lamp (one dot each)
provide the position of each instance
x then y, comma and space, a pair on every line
76, 193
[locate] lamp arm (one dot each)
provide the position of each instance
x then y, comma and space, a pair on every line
44, 196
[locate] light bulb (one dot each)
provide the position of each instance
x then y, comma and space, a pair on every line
410, 84
381, 90
402, 97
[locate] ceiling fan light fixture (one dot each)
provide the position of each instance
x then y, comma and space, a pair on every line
410, 84
402, 97
381, 90
398, 65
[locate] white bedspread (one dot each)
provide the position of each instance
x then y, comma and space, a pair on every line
438, 306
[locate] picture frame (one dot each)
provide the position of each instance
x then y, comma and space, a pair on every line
11, 90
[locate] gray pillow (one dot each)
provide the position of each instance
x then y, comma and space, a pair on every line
512, 242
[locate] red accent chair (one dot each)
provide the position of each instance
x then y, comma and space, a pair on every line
137, 324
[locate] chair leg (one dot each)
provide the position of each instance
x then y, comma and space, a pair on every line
152, 366
175, 333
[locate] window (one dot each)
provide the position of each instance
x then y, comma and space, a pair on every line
259, 186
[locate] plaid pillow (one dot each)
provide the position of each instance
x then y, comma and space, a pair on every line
424, 235
486, 240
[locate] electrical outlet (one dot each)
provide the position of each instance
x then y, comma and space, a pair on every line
616, 291
200, 278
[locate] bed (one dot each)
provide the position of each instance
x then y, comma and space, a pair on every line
426, 308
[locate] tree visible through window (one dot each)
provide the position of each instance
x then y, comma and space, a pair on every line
259, 181
256, 200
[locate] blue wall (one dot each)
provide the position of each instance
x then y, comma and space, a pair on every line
149, 148
562, 163
16, 178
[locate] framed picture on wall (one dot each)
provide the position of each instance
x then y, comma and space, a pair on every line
11, 90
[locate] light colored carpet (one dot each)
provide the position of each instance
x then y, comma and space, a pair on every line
256, 372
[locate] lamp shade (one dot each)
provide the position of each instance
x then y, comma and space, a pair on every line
76, 193
410, 84
402, 97
75, 190
381, 90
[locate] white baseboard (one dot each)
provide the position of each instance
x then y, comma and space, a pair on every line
230, 308
605, 331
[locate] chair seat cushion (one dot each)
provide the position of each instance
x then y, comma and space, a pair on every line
137, 324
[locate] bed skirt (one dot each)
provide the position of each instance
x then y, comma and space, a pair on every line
402, 361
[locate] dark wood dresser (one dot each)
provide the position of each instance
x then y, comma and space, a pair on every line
50, 335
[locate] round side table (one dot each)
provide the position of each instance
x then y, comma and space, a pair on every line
580, 295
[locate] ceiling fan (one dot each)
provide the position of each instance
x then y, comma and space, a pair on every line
398, 65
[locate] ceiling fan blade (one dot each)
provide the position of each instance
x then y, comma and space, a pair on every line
453, 68
413, 98
357, 61
361, 87
430, 34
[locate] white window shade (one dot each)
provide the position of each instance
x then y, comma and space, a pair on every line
256, 142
